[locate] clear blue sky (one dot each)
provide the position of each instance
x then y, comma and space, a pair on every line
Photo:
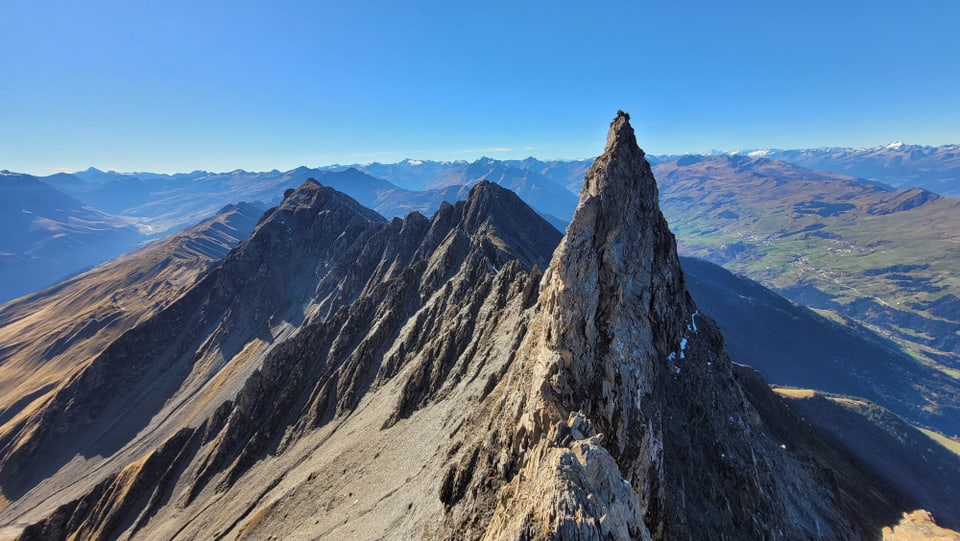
220, 85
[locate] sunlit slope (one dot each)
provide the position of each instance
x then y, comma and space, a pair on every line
887, 259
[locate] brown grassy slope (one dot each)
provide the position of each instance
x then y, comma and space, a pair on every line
50, 336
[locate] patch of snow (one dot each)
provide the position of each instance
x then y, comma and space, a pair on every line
693, 321
672, 356
896, 145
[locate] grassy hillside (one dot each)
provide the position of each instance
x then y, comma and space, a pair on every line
857, 251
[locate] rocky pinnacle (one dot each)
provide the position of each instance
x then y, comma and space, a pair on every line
587, 368
630, 422
613, 283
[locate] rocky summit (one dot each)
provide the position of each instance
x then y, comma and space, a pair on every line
468, 376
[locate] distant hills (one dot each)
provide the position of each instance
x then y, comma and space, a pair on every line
935, 168
884, 258
48, 235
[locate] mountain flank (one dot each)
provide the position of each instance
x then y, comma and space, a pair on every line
884, 259
50, 235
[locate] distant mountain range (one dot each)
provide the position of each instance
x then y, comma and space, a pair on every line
48, 235
856, 248
935, 168
64, 223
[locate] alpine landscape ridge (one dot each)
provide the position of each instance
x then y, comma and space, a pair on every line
473, 375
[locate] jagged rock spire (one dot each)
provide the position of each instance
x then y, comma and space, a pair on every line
622, 167
611, 304
614, 278
617, 340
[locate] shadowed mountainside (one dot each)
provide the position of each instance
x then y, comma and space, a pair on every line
49, 235
49, 338
922, 473
792, 345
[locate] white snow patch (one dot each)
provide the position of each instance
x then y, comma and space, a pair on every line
672, 356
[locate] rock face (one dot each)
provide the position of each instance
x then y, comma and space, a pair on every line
342, 376
675, 450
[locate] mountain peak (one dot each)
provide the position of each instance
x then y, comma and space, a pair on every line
621, 132
622, 168
485, 186
618, 255
619, 366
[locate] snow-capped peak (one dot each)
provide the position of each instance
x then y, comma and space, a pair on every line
896, 145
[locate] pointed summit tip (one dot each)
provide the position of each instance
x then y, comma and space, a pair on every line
621, 133
622, 167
